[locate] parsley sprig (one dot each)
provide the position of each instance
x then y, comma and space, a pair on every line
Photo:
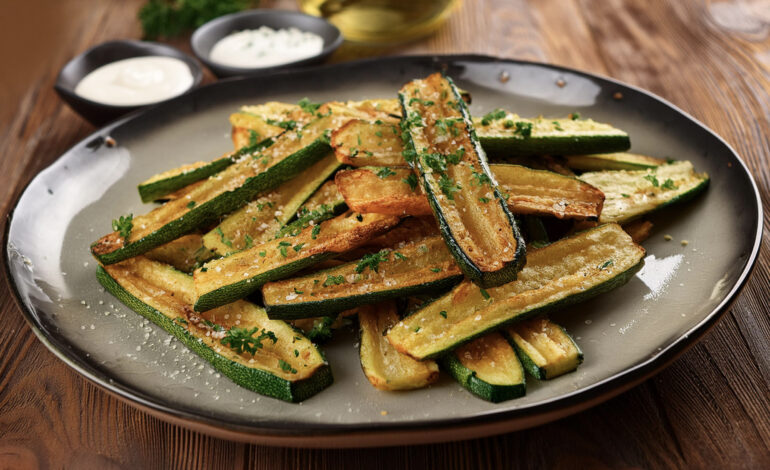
372, 261
123, 225
243, 340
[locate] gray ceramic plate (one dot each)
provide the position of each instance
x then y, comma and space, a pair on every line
627, 335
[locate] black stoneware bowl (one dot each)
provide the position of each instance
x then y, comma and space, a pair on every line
76, 69
205, 37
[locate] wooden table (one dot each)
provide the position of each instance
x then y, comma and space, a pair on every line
711, 408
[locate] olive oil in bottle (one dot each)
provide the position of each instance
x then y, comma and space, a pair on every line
382, 21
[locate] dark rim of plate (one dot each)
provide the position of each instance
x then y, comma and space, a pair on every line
566, 403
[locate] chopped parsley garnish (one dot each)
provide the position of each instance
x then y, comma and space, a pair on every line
180, 320
408, 154
417, 330
253, 136
508, 124
296, 353
249, 241
399, 255
378, 133
484, 294
574, 116
436, 270
652, 179
298, 247
442, 313
448, 187
334, 280
523, 128
480, 178
557, 125
262, 254
411, 180
298, 292
314, 233
606, 264
282, 248
243, 339
372, 261
262, 205
308, 106
286, 367
384, 172
625, 195
222, 237
191, 204
288, 125
669, 184
484, 199
212, 325
123, 225
493, 116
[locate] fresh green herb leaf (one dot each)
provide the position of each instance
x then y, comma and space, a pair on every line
523, 128
448, 187
372, 261
442, 313
484, 294
625, 195
253, 136
484, 199
124, 225
314, 233
378, 133
166, 18
334, 280
286, 367
669, 184
191, 204
308, 106
399, 256
222, 237
263, 253
298, 247
574, 116
557, 125
492, 116
436, 270
411, 180
249, 241
606, 264
652, 179
417, 330
243, 340
298, 292
283, 252
480, 178
180, 320
384, 172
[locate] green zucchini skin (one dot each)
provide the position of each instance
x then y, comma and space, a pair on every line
226, 202
554, 145
332, 306
482, 278
541, 373
617, 281
485, 390
256, 380
241, 289
156, 190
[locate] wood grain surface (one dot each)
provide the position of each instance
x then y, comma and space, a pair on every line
710, 409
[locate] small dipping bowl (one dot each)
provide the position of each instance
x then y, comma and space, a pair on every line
205, 37
76, 69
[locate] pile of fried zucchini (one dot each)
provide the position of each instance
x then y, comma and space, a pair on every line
389, 211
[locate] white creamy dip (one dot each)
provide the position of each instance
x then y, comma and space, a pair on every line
265, 47
136, 81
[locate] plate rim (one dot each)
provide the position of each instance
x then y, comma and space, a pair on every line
389, 433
